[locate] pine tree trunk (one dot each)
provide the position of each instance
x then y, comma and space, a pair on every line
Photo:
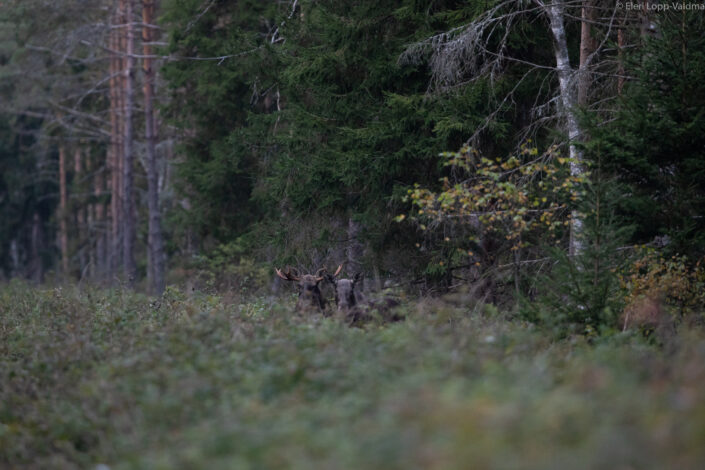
63, 208
115, 154
99, 225
92, 240
81, 237
156, 242
37, 272
645, 18
587, 48
129, 229
620, 59
555, 12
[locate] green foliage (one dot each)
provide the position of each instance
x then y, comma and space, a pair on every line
510, 196
27, 201
492, 210
582, 294
108, 377
660, 290
212, 99
655, 144
319, 118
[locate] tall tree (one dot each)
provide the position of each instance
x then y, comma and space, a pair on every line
587, 49
115, 153
128, 201
63, 212
654, 141
556, 15
156, 242
312, 120
80, 210
78, 59
483, 48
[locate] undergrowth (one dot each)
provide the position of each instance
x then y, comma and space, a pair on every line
91, 377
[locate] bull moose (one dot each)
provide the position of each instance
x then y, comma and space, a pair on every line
346, 297
307, 284
349, 301
356, 308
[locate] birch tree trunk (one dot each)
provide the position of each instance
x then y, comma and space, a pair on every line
555, 12
129, 231
156, 243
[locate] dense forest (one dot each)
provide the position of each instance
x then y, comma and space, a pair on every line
438, 143
500, 175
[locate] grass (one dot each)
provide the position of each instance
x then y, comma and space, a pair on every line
108, 377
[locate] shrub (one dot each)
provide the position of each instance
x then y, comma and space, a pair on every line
658, 289
581, 294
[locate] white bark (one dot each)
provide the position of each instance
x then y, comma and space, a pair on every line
466, 53
566, 82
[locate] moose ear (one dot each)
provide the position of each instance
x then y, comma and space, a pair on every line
330, 279
357, 278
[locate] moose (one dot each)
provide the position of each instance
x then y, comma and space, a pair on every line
346, 297
307, 284
353, 306
349, 301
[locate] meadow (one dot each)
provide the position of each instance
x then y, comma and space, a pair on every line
100, 379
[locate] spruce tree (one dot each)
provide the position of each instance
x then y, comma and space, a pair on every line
581, 293
655, 144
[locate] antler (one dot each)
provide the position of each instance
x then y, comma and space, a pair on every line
319, 274
337, 271
287, 276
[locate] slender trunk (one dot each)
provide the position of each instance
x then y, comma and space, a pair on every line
587, 48
129, 231
517, 272
92, 238
115, 155
14, 258
81, 237
63, 203
620, 59
555, 12
37, 272
99, 224
156, 243
645, 18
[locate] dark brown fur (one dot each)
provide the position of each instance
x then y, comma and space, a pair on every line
354, 307
308, 286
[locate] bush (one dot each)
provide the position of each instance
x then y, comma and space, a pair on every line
109, 377
581, 294
660, 290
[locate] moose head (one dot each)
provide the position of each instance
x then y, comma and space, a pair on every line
307, 284
346, 298
356, 308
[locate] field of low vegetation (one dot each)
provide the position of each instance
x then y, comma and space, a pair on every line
113, 379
